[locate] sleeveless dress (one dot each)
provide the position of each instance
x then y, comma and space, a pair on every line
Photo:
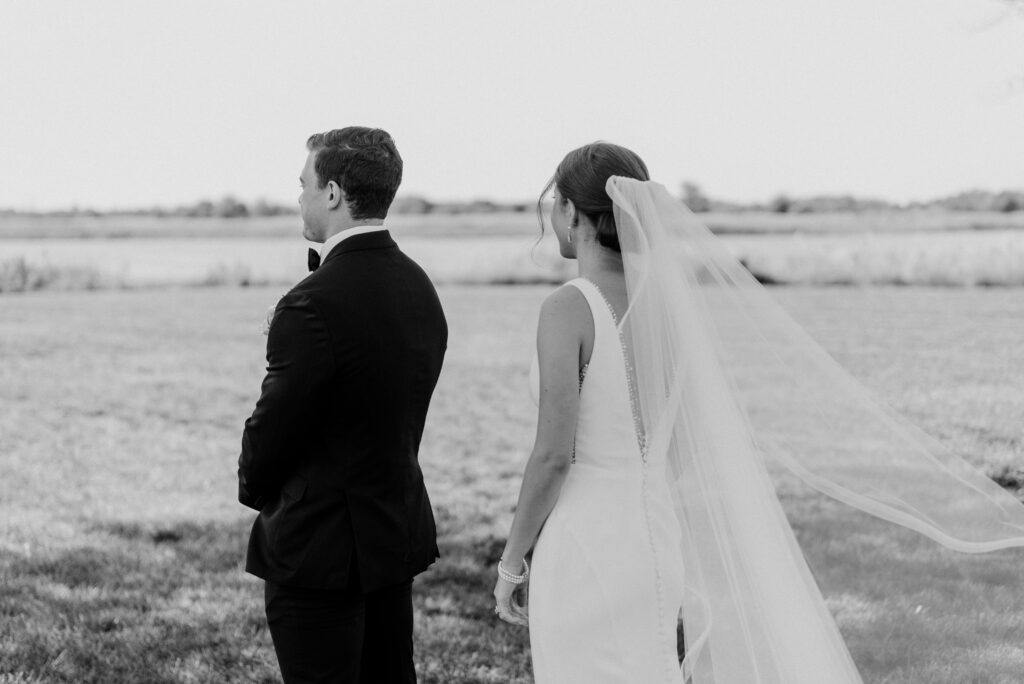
606, 579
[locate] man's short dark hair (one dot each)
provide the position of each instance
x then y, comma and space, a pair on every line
364, 162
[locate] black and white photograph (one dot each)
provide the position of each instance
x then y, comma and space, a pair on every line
576, 342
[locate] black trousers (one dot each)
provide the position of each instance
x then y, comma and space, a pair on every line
342, 636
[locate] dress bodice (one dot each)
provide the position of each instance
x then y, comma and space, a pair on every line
606, 435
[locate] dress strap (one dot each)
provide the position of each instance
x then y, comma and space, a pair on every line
599, 306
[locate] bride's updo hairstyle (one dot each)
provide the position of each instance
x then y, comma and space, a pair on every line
581, 178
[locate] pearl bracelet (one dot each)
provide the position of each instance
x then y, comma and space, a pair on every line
509, 577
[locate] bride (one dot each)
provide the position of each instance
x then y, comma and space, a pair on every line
673, 395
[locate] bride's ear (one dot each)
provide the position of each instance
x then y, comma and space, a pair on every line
570, 211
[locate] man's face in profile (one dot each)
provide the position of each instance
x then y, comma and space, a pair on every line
312, 202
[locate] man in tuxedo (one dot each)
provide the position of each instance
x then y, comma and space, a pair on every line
329, 456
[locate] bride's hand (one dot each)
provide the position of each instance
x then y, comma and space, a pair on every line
510, 602
265, 328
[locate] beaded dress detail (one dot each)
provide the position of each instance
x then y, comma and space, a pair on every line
604, 595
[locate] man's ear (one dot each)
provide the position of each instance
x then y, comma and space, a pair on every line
335, 197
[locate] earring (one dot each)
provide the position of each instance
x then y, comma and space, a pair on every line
570, 235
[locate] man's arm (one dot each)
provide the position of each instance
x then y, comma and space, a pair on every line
299, 367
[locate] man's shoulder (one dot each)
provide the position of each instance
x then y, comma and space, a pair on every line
362, 265
333, 287
319, 293
361, 273
302, 290
315, 292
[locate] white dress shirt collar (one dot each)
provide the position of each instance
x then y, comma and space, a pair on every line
333, 241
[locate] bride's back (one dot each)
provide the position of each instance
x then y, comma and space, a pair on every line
606, 434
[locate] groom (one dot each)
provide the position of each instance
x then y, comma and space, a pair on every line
329, 456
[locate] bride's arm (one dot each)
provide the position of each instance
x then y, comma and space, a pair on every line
559, 336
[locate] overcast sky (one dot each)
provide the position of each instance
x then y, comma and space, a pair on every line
136, 103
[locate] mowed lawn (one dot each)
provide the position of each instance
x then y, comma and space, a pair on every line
121, 542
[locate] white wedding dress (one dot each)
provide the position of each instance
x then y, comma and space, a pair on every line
718, 379
605, 584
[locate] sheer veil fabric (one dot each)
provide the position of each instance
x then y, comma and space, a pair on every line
727, 382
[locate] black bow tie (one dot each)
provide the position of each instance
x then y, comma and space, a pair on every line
313, 259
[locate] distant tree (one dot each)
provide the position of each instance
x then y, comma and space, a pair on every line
229, 207
982, 200
836, 204
695, 199
1008, 201
482, 207
262, 207
202, 208
411, 204
780, 204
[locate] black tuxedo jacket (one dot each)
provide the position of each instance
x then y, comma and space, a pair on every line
329, 456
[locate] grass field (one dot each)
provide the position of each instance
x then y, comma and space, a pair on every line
500, 224
121, 542
962, 258
878, 248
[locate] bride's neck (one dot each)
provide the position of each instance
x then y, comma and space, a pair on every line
594, 260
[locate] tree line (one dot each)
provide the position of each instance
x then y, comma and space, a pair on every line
230, 207
971, 200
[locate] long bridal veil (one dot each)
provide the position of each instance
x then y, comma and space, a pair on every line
725, 382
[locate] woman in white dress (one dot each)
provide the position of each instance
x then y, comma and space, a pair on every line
599, 610
666, 376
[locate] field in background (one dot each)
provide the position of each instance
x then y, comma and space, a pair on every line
121, 541
121, 227
492, 225
894, 248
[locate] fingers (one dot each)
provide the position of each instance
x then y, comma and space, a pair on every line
518, 602
506, 612
512, 617
518, 615
506, 608
514, 612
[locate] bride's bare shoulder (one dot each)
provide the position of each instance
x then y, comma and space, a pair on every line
565, 312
